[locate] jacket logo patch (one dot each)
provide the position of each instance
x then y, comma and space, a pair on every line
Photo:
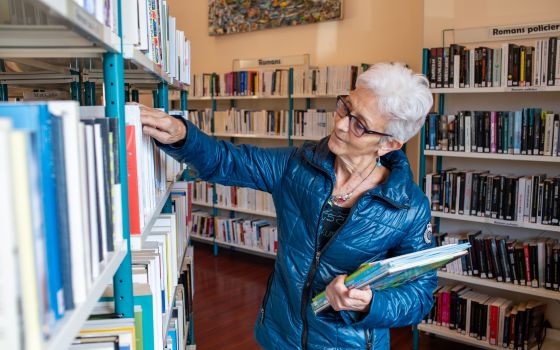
428, 234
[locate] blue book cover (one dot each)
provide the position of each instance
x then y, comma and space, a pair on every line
173, 335
432, 130
242, 83
62, 210
517, 126
36, 117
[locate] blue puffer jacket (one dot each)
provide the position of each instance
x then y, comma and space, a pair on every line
388, 220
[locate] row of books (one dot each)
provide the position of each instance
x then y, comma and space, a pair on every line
527, 132
533, 199
61, 212
526, 263
243, 121
148, 26
249, 233
201, 119
203, 192
244, 198
202, 224
312, 123
512, 65
339, 80
264, 82
105, 12
496, 321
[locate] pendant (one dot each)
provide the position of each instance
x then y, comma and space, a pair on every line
339, 199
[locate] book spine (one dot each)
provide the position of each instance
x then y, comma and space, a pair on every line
493, 132
520, 265
555, 268
521, 184
527, 260
551, 61
512, 263
497, 68
494, 311
537, 64
534, 265
544, 63
504, 67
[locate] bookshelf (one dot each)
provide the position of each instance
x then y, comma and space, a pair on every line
448, 101
252, 136
78, 33
246, 211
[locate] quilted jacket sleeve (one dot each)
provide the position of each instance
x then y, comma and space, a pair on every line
407, 304
226, 164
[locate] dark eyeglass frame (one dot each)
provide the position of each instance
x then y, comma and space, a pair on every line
350, 116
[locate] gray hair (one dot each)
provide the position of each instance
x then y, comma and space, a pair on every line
402, 96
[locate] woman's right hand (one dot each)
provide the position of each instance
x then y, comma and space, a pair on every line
161, 126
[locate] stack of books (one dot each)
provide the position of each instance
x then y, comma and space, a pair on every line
312, 123
264, 82
532, 262
532, 199
243, 121
497, 321
245, 198
393, 272
512, 65
531, 131
249, 233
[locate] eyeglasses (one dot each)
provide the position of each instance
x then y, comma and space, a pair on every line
358, 129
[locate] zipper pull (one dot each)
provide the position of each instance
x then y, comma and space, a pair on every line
262, 316
317, 257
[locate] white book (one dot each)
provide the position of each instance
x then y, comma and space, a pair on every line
544, 63
458, 197
172, 48
496, 70
504, 308
505, 60
92, 201
521, 184
169, 222
541, 248
528, 199
143, 26
471, 68
537, 65
130, 21
468, 192
69, 111
429, 187
468, 133
10, 316
555, 151
548, 133
85, 204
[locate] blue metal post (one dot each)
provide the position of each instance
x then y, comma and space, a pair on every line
3, 87
155, 98
89, 88
167, 207
291, 91
183, 100
163, 100
415, 337
113, 76
76, 89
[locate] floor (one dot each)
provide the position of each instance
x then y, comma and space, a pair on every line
228, 293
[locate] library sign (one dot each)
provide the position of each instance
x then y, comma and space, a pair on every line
532, 29
272, 62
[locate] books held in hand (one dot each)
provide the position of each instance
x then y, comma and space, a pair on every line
396, 271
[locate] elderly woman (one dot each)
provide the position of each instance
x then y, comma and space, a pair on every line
344, 200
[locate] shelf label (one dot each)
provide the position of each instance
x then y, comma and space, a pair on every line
52, 95
526, 89
507, 223
273, 62
87, 21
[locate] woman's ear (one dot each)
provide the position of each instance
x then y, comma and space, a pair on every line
388, 146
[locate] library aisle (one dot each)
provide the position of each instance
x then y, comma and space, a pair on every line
233, 285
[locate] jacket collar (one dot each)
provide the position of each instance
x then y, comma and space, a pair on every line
396, 190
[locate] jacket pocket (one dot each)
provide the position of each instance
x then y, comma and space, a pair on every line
266, 295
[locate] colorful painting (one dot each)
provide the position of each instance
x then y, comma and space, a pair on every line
238, 16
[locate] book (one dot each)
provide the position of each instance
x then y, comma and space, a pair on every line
396, 271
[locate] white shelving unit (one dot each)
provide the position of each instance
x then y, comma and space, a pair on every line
440, 214
497, 156
136, 242
552, 341
251, 249
195, 237
483, 90
150, 67
255, 97
203, 204
247, 211
67, 329
252, 136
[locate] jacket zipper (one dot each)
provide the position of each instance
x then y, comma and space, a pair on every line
314, 267
266, 295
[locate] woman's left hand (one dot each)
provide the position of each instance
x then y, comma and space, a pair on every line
342, 299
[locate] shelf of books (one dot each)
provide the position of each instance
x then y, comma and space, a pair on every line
251, 136
246, 211
314, 96
494, 182
551, 342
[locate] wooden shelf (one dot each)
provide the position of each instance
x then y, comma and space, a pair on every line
205, 98
552, 340
250, 97
308, 138
500, 156
494, 89
203, 204
252, 136
243, 210
439, 214
251, 249
196, 237
492, 283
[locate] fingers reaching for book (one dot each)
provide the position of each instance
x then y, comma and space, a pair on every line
341, 298
161, 126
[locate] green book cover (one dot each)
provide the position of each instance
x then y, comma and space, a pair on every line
138, 327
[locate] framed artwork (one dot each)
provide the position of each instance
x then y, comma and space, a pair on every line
238, 16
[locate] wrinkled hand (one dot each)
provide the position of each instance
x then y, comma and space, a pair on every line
161, 126
341, 298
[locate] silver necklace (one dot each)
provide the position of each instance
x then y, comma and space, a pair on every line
343, 198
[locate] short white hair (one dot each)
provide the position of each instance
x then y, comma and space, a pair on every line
402, 95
